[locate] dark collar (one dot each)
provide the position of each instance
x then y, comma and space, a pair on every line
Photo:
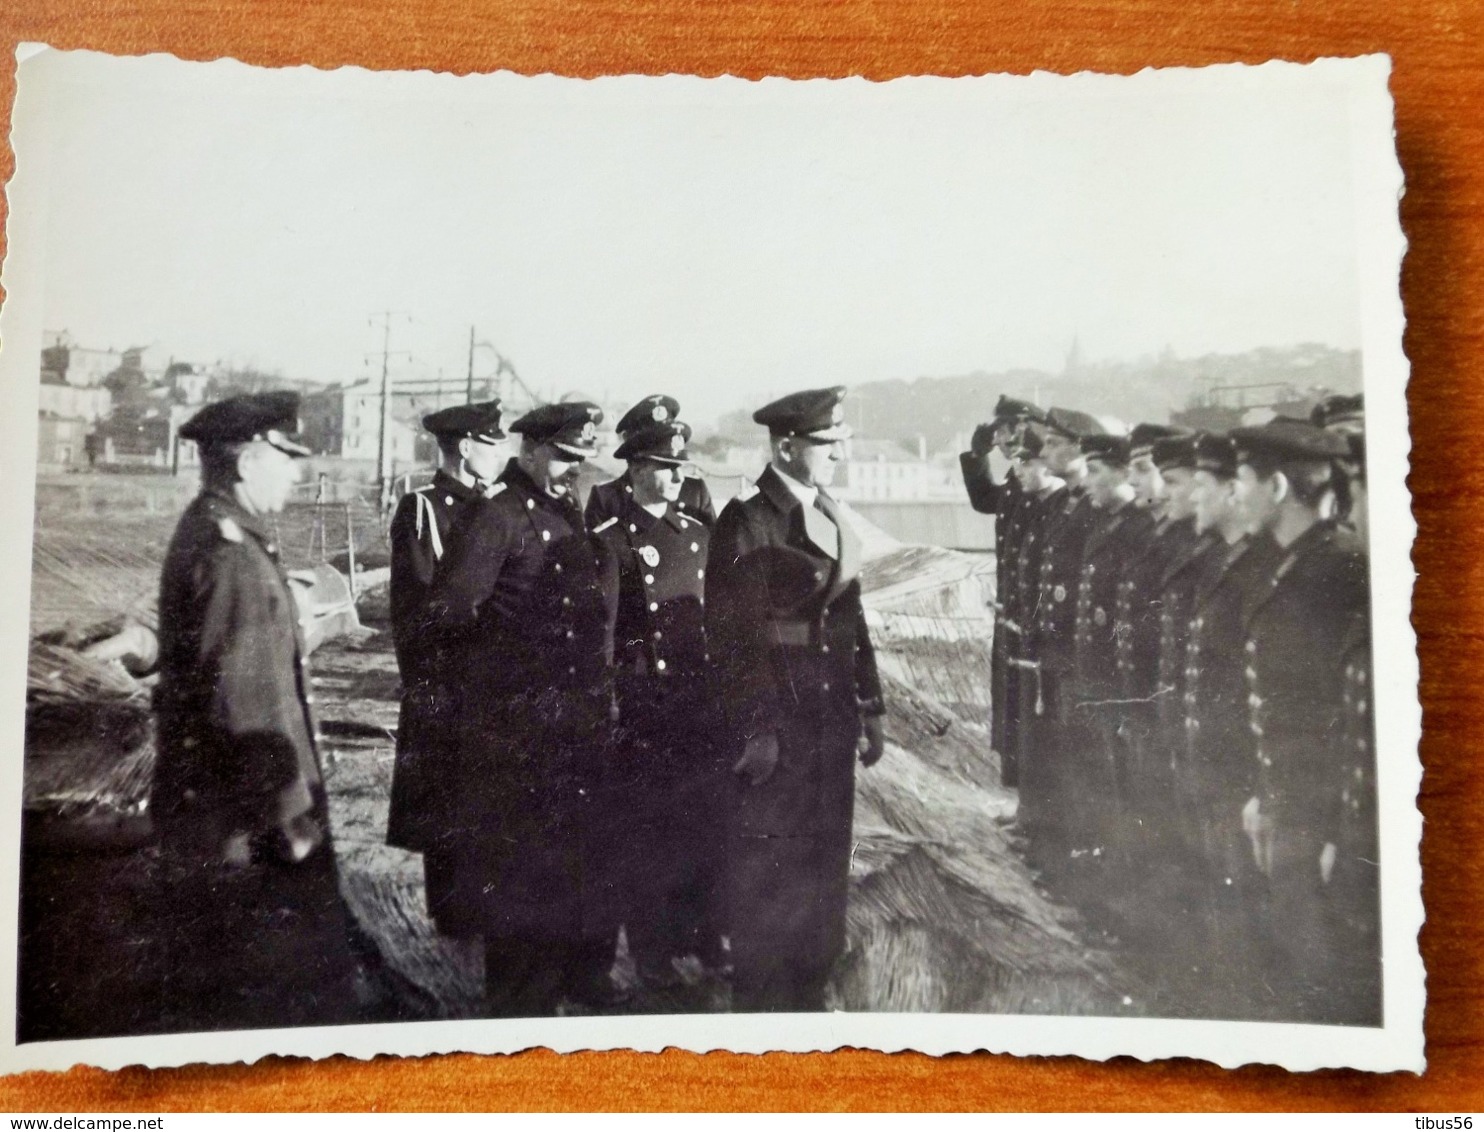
771, 485
443, 481
515, 479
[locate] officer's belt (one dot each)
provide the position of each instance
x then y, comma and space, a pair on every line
799, 634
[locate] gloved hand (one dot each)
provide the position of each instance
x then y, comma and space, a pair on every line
982, 440
872, 742
759, 759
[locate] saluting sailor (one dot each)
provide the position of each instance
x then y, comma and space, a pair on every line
694, 501
803, 700
663, 788
995, 488
472, 453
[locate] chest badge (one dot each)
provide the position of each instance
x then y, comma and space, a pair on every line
650, 555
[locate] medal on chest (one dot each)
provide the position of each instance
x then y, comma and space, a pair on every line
650, 555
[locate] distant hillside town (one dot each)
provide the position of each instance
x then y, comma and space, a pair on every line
120, 410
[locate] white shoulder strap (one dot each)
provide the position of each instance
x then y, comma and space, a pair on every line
425, 506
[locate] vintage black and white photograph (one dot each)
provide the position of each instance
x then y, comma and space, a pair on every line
520, 560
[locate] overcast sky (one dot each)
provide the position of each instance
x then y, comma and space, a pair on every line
723, 241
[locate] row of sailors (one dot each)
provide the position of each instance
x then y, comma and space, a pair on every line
1181, 690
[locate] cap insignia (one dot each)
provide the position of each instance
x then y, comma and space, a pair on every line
677, 444
837, 414
660, 414
589, 431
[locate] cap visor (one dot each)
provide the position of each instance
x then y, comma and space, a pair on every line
573, 450
828, 435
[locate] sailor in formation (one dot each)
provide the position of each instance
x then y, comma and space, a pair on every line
1187, 620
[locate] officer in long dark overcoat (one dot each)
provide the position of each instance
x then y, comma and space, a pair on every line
523, 604
665, 776
472, 450
1004, 498
238, 795
798, 681
605, 499
1295, 627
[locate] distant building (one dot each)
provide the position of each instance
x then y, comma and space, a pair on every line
345, 421
57, 398
888, 470
61, 442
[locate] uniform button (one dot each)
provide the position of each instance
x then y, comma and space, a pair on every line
654, 606
632, 528
700, 573
1360, 706
1360, 675
570, 634
309, 699
684, 526
448, 500
557, 567
695, 547
572, 670
824, 687
1251, 646
530, 505
1251, 672
1266, 761
566, 601
1254, 700
658, 635
824, 648
660, 664
649, 579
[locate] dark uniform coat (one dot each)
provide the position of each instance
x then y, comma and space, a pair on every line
1295, 628
665, 775
1009, 504
1102, 784
237, 754
788, 632
605, 499
1053, 735
427, 725
523, 604
1355, 886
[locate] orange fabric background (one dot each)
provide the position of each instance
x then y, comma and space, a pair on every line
1439, 88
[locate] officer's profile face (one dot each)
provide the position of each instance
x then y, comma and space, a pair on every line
1144, 478
552, 469
266, 477
1031, 471
811, 462
1179, 483
483, 460
655, 482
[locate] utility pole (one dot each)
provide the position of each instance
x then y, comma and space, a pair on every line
384, 453
383, 465
469, 388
